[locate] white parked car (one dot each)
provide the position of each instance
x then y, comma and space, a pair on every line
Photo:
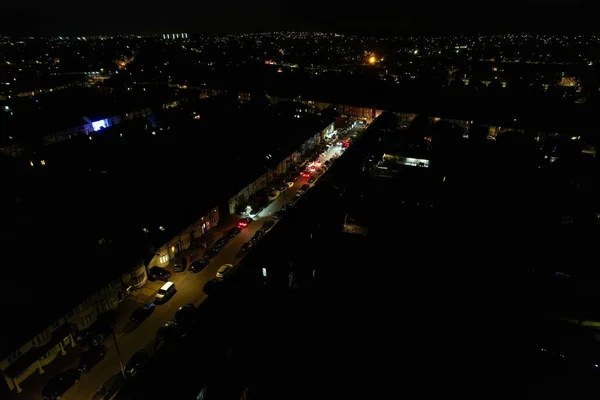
224, 271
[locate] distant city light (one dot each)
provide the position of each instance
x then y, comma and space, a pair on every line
372, 60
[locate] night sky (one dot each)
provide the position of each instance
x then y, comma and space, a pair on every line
40, 17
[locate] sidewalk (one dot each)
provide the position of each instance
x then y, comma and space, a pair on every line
146, 293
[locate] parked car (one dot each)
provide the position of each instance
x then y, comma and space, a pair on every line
186, 315
98, 331
233, 232
180, 265
167, 291
60, 384
170, 330
290, 182
136, 362
198, 265
312, 179
244, 222
88, 339
283, 188
224, 271
268, 225
279, 214
91, 357
248, 245
110, 387
258, 234
213, 251
274, 195
222, 241
143, 312
213, 286
159, 273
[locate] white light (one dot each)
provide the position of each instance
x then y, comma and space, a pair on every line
264, 272
162, 228
154, 132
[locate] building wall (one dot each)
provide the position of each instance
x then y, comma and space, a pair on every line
242, 197
136, 278
184, 239
80, 317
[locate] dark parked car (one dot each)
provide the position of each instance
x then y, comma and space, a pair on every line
305, 187
60, 384
159, 273
257, 235
213, 251
198, 265
233, 232
312, 179
91, 357
213, 286
180, 265
110, 387
98, 331
222, 241
135, 362
279, 214
88, 339
143, 312
268, 225
248, 245
186, 315
170, 330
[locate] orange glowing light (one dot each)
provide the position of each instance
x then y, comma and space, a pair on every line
372, 60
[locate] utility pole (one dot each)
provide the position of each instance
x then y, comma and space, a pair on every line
119, 353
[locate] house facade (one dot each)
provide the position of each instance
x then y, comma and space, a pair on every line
58, 338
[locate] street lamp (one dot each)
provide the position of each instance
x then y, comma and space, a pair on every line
118, 352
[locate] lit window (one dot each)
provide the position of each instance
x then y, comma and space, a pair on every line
43, 162
163, 259
162, 228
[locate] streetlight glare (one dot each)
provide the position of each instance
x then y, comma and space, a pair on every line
372, 60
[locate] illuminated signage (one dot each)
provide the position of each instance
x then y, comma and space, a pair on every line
98, 125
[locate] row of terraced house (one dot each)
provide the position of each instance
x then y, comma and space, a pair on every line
58, 338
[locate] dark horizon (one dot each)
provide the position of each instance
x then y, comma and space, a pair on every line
110, 19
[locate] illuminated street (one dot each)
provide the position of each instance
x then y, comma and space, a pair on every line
189, 290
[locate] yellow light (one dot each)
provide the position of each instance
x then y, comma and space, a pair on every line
372, 59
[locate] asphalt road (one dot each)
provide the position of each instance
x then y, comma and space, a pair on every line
189, 290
